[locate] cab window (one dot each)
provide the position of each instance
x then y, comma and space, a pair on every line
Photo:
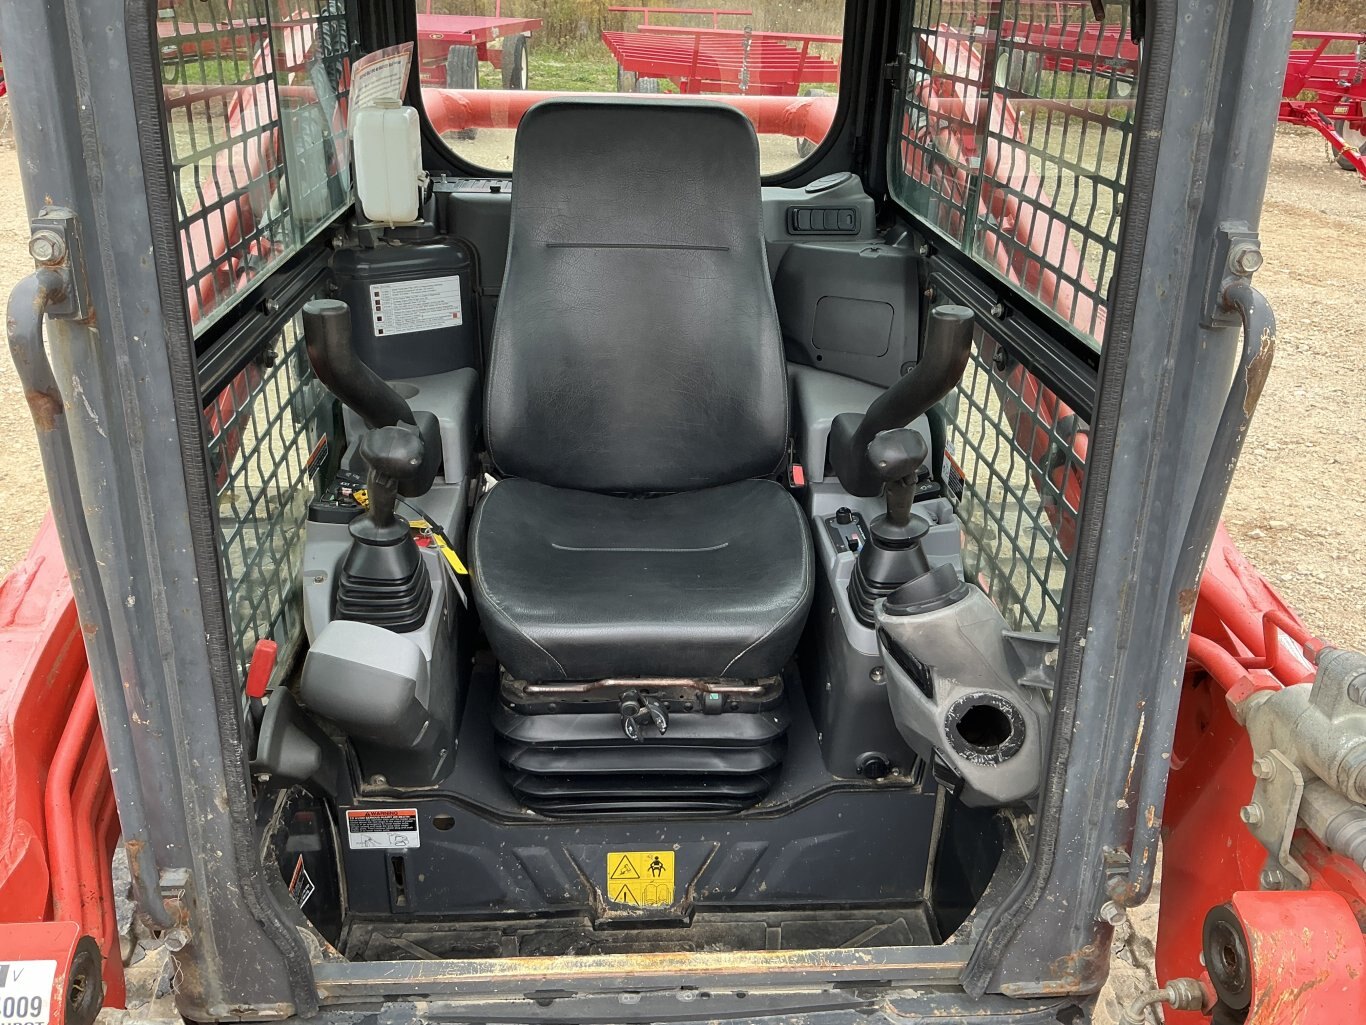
483, 62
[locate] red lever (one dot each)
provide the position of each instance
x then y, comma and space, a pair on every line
262, 666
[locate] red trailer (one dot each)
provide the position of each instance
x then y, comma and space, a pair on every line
716, 60
450, 48
1327, 92
699, 60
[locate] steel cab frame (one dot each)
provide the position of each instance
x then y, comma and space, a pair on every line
116, 380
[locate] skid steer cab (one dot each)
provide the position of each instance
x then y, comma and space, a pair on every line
655, 514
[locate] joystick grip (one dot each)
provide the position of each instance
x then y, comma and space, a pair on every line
944, 353
393, 454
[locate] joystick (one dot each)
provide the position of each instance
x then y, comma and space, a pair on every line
893, 554
384, 579
873, 453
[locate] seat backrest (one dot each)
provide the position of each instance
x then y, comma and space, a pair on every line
637, 346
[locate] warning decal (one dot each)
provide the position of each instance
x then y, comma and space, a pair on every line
641, 879
422, 304
382, 828
300, 885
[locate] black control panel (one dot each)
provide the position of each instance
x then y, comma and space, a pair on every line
488, 186
848, 531
337, 503
822, 220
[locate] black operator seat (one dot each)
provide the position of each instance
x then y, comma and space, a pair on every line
637, 406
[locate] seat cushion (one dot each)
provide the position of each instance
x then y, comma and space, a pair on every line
572, 585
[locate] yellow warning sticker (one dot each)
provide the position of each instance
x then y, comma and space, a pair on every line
641, 879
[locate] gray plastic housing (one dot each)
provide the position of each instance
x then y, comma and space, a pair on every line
848, 690
453, 398
397, 697
966, 691
394, 695
850, 307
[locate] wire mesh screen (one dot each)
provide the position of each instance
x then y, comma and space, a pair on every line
264, 429
1015, 135
254, 95
1019, 456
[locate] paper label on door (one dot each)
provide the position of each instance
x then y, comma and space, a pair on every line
423, 304
26, 992
382, 829
641, 879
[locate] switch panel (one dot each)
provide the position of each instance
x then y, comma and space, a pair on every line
822, 220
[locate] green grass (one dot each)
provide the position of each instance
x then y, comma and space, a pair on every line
579, 68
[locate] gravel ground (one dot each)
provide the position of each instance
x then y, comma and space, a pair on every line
1298, 502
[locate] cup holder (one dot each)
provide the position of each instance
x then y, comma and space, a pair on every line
984, 728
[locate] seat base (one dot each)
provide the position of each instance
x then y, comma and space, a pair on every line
573, 585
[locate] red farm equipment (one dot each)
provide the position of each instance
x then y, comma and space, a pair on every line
716, 59
313, 836
450, 48
1327, 92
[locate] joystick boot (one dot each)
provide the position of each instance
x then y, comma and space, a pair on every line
893, 554
384, 580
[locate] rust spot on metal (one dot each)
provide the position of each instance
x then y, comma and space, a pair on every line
1258, 371
45, 406
1185, 601
1078, 972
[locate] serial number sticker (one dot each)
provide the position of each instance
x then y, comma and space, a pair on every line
641, 879
26, 992
380, 829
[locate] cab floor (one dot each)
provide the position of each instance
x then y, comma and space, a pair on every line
716, 931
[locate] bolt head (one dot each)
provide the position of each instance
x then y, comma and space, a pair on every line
1272, 879
1263, 767
998, 311
877, 674
1356, 690
1251, 814
47, 246
1246, 259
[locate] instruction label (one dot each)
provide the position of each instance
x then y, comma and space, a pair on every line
26, 992
370, 829
641, 879
423, 304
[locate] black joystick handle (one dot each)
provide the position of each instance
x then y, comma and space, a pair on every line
393, 454
944, 352
896, 455
327, 337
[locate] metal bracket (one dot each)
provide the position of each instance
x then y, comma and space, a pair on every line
1237, 253
1274, 813
55, 245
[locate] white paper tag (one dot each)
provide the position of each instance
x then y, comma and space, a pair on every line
381, 829
26, 992
422, 304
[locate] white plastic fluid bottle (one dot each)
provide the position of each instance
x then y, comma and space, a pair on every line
388, 153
